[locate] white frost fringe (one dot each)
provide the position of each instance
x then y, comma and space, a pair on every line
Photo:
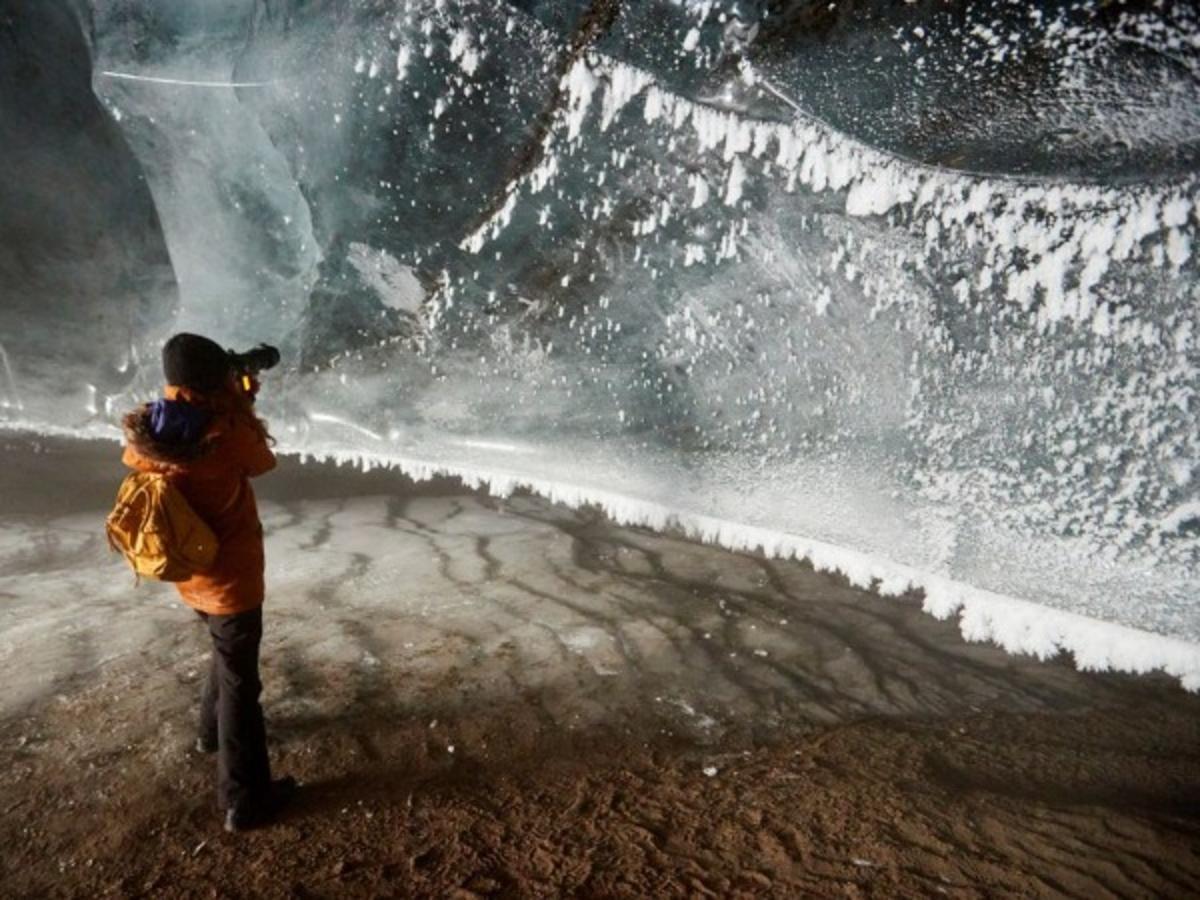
1018, 626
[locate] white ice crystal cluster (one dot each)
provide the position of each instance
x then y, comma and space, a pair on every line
1042, 245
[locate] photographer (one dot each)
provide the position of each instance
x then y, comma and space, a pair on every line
204, 436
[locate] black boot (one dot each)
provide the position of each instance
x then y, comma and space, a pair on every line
206, 744
261, 810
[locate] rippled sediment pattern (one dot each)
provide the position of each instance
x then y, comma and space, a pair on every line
380, 590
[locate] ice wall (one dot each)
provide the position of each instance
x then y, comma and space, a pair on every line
908, 289
84, 269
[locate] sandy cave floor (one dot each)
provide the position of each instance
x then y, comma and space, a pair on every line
507, 698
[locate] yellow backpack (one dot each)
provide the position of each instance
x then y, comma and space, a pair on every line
154, 527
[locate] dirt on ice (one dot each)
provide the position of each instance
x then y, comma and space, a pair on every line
509, 699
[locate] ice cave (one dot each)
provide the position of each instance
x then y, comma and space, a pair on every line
627, 346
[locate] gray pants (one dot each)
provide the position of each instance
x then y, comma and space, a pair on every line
230, 714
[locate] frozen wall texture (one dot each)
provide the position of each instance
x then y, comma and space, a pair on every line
84, 270
909, 289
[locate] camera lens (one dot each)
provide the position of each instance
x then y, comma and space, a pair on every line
262, 357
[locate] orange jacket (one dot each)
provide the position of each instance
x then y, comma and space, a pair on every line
214, 475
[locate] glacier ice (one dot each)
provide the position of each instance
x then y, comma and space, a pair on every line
909, 292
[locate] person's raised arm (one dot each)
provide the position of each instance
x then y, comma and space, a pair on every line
251, 451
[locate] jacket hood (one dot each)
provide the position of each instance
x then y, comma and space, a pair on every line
169, 432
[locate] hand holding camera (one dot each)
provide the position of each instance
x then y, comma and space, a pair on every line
248, 364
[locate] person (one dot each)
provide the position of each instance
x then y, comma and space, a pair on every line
204, 435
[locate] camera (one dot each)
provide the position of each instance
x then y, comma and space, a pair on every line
247, 366
251, 362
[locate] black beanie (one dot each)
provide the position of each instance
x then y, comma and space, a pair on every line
195, 362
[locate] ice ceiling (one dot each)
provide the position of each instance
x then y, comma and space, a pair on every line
912, 283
